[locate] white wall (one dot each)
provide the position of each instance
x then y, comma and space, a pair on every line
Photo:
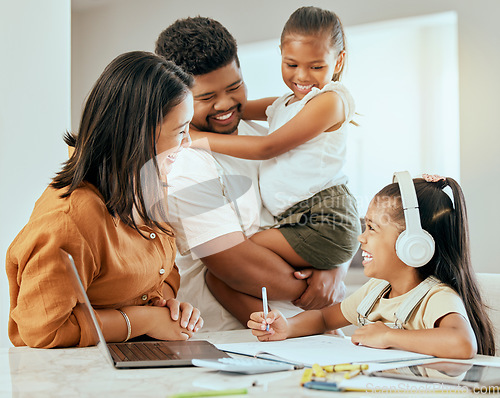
34, 112
101, 34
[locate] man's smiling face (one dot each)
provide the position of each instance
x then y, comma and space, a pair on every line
219, 99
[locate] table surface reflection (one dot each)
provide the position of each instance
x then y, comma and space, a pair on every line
82, 372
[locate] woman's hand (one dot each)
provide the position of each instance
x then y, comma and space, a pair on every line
190, 317
278, 326
372, 335
165, 328
153, 321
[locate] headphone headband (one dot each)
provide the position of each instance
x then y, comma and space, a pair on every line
409, 200
414, 246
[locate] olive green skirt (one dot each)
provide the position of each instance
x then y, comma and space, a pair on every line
323, 229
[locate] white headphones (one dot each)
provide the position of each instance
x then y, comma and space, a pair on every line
414, 246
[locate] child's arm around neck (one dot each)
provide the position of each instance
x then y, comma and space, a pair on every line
256, 109
322, 113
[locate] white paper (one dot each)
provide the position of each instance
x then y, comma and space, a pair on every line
321, 349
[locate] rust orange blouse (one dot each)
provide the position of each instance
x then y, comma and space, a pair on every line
118, 267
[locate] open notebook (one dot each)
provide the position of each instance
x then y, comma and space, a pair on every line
321, 349
137, 354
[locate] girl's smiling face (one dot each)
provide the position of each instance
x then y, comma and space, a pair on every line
307, 62
378, 243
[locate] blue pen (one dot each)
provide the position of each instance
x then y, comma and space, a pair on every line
264, 303
322, 385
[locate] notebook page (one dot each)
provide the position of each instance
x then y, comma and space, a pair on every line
321, 349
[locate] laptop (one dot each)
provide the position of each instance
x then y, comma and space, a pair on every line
140, 354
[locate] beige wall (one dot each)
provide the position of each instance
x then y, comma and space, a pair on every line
99, 34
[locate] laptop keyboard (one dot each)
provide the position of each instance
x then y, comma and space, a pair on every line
137, 351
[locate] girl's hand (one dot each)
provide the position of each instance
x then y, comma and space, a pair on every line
373, 335
278, 326
195, 133
199, 139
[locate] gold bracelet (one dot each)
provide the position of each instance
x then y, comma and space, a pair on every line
129, 326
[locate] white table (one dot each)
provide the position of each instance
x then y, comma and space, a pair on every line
83, 372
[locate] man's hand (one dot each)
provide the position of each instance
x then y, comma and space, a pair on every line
324, 287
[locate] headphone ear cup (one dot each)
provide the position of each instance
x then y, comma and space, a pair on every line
415, 249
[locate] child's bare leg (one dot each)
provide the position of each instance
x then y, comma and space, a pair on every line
274, 240
240, 305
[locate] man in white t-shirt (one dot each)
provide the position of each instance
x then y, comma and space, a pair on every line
214, 202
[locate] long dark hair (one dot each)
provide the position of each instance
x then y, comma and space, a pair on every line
446, 221
314, 21
117, 134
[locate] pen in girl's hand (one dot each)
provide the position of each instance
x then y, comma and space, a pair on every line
264, 303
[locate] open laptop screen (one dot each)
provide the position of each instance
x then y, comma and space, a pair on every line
84, 304
139, 354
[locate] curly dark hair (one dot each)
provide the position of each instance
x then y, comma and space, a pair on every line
199, 45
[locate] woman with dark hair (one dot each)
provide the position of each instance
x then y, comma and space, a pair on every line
105, 208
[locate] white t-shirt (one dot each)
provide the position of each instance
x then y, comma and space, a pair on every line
311, 167
205, 196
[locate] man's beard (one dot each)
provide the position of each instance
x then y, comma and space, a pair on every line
212, 128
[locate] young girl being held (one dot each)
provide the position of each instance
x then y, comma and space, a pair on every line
434, 309
302, 181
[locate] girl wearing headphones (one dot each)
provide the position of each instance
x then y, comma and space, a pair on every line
423, 295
